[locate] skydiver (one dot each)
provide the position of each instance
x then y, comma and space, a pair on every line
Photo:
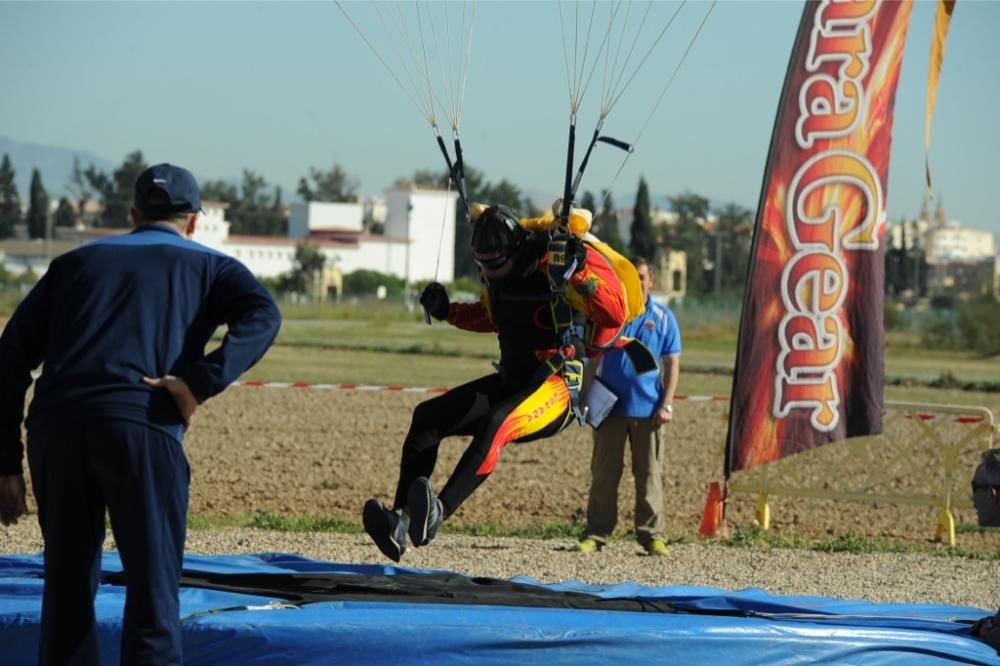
551, 302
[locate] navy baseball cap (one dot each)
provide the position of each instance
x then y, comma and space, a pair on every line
165, 189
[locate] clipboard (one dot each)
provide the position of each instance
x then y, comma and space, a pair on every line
598, 401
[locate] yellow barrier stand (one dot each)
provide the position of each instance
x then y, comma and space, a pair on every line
763, 512
884, 468
946, 525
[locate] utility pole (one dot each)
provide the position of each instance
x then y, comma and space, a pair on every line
407, 302
718, 259
48, 239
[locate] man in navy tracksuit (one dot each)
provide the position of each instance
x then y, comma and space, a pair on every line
120, 327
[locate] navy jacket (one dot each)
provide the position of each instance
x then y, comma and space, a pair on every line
115, 310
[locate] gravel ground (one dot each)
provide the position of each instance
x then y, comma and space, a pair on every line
322, 454
880, 577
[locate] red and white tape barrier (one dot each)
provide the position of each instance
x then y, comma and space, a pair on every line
256, 383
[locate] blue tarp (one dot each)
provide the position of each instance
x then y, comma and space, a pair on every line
711, 625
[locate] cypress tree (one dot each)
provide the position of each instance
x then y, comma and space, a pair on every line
642, 242
38, 207
10, 202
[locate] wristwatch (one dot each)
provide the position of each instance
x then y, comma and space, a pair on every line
669, 409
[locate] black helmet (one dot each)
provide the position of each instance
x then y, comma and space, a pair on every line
497, 241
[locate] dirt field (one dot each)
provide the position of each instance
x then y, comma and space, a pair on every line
323, 453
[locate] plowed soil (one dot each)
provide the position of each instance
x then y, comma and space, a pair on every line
324, 452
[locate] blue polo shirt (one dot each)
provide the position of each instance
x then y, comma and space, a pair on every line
639, 395
115, 310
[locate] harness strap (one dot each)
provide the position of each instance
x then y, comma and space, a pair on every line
568, 325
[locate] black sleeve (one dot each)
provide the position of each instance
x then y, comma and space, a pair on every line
22, 349
239, 301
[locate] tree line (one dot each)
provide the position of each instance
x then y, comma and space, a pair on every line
715, 241
254, 206
716, 253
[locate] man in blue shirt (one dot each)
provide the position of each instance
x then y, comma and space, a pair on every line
120, 327
645, 403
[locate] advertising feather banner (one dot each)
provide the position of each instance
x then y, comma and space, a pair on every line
809, 367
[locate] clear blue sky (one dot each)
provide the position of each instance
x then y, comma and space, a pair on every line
280, 87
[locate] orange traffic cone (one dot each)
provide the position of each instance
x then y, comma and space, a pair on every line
711, 519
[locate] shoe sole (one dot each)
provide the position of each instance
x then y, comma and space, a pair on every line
379, 529
418, 501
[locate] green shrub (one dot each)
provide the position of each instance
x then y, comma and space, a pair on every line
979, 326
366, 283
939, 330
893, 317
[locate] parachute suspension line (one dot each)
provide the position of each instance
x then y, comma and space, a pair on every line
650, 50
569, 77
468, 58
444, 218
606, 80
581, 87
456, 168
455, 73
446, 70
437, 263
427, 69
422, 109
578, 88
609, 91
419, 60
658, 101
574, 76
419, 67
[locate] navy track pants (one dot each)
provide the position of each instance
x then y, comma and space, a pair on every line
140, 476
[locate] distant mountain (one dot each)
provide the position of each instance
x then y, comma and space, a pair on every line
54, 162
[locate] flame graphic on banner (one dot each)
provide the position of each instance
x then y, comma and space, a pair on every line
810, 356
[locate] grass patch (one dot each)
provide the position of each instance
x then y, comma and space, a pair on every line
272, 521
204, 521
755, 537
970, 528
852, 543
280, 523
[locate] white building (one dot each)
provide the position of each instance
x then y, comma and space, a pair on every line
418, 243
426, 216
320, 216
956, 244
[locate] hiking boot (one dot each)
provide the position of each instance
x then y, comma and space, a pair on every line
656, 547
386, 527
588, 545
426, 512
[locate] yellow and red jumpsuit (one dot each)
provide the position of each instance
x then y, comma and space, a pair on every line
518, 403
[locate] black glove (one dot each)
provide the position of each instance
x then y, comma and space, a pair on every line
575, 249
434, 298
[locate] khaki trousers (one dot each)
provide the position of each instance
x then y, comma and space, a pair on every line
606, 466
